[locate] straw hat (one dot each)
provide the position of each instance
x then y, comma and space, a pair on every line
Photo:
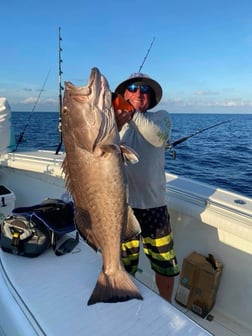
139, 78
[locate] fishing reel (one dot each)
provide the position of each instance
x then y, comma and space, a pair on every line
119, 103
172, 151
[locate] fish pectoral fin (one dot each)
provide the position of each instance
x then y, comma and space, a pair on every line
84, 226
133, 228
129, 155
106, 149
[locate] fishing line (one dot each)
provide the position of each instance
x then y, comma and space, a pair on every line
21, 135
145, 57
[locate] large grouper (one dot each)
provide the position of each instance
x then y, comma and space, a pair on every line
95, 176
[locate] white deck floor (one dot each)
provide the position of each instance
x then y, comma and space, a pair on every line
53, 293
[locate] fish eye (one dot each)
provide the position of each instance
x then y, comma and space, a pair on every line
65, 110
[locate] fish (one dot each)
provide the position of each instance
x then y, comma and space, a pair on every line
94, 169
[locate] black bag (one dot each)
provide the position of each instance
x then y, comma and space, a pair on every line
31, 230
20, 235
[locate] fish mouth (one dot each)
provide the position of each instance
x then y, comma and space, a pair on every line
95, 72
94, 82
98, 86
79, 93
94, 77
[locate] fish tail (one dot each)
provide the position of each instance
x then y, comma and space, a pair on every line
114, 288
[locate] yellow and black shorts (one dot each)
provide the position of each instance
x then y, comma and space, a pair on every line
157, 242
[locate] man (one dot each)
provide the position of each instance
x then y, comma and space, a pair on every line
147, 133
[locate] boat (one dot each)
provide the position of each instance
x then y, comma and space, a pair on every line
47, 295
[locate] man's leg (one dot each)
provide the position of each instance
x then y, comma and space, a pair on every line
165, 286
159, 247
130, 254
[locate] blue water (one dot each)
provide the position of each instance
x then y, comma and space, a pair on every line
220, 156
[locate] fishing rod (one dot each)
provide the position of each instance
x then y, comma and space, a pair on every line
21, 135
171, 146
148, 51
118, 101
60, 95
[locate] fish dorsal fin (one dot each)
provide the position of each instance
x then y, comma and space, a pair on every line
129, 155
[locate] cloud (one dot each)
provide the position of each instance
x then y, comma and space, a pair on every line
42, 101
206, 93
50, 101
28, 100
207, 105
237, 102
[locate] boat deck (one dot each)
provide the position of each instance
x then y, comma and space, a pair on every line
204, 218
53, 293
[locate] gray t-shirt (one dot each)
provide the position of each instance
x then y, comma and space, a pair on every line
147, 133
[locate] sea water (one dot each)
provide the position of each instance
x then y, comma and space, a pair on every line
220, 156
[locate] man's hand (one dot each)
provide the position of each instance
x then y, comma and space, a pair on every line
122, 117
123, 110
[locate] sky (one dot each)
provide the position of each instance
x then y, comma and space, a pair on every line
201, 53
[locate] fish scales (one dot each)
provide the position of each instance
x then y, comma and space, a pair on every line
95, 177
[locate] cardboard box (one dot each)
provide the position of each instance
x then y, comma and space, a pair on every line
7, 202
199, 282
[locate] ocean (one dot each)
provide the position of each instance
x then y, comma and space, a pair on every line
220, 156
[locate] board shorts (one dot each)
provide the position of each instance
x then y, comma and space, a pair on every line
156, 236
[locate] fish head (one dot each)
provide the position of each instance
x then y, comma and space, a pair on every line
88, 115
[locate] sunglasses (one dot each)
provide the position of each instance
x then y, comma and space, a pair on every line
135, 87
